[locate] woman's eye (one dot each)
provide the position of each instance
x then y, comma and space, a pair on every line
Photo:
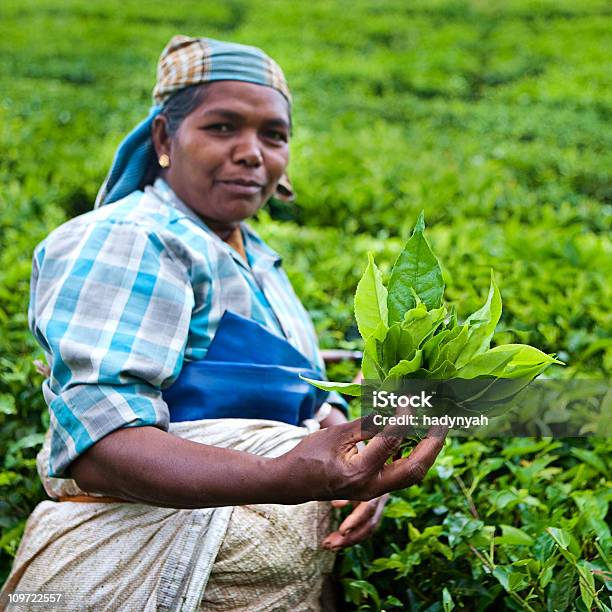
276, 135
219, 127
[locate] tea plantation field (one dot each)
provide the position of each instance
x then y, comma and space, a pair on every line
492, 117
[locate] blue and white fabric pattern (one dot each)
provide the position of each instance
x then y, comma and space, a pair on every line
123, 295
130, 163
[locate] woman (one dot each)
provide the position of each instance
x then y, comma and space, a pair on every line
168, 498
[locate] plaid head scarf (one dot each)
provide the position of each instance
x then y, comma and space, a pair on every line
184, 62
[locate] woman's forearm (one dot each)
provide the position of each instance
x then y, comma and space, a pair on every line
147, 465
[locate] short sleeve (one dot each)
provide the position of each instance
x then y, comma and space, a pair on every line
111, 306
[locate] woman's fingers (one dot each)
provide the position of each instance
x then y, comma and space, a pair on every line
412, 469
335, 541
384, 444
340, 503
358, 525
355, 431
362, 513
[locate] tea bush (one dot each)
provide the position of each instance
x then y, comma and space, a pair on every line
494, 118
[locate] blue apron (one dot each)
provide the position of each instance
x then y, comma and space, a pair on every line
248, 373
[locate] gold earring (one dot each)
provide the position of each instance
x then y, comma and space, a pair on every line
164, 161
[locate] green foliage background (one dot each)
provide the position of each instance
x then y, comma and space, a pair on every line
493, 117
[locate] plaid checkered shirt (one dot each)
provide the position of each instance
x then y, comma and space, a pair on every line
122, 295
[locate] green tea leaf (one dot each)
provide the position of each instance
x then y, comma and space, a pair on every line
524, 372
399, 508
452, 317
405, 367
561, 591
527, 361
391, 600
561, 537
452, 345
431, 346
444, 371
7, 478
10, 539
416, 269
526, 355
415, 314
372, 364
7, 404
447, 601
482, 324
419, 325
390, 346
485, 364
592, 459
508, 361
353, 389
30, 441
493, 391
587, 585
437, 356
512, 535
510, 578
370, 300
368, 589
546, 577
369, 366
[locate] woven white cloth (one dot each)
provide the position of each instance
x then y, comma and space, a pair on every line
115, 556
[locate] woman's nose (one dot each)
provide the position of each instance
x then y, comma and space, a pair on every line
248, 152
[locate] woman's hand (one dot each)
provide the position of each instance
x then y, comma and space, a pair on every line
326, 465
358, 525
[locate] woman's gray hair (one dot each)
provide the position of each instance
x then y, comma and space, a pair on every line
175, 109
181, 104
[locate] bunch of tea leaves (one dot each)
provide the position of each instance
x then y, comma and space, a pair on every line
409, 333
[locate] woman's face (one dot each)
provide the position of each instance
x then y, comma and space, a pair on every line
228, 155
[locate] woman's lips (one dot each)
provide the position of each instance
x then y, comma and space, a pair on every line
241, 187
